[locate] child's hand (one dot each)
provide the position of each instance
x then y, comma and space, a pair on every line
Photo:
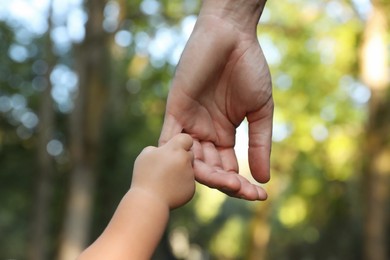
166, 172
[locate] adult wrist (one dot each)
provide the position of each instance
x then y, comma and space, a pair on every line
242, 14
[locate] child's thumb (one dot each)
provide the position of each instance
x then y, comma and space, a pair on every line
183, 141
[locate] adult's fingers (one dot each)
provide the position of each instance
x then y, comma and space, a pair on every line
171, 127
215, 178
229, 183
250, 191
260, 140
229, 159
211, 157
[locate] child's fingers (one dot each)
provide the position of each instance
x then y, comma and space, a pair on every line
183, 141
148, 149
192, 157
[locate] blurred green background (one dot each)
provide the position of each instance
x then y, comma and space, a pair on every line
83, 86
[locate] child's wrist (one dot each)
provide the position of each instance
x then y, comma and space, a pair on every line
149, 197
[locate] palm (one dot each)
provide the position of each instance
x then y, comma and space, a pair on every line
221, 80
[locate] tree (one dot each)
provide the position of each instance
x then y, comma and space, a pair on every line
374, 63
322, 121
320, 111
38, 245
85, 132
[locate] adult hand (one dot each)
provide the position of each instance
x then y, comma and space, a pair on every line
223, 77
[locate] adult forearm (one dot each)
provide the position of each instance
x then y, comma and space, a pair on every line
243, 14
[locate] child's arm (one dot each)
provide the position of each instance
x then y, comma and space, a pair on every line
134, 231
163, 179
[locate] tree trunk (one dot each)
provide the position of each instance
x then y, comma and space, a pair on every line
260, 232
374, 72
85, 134
38, 245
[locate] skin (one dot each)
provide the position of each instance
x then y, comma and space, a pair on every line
223, 78
163, 179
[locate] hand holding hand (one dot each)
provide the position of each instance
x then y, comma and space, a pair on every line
223, 77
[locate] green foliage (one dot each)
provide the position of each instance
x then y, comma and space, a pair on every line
315, 210
321, 122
